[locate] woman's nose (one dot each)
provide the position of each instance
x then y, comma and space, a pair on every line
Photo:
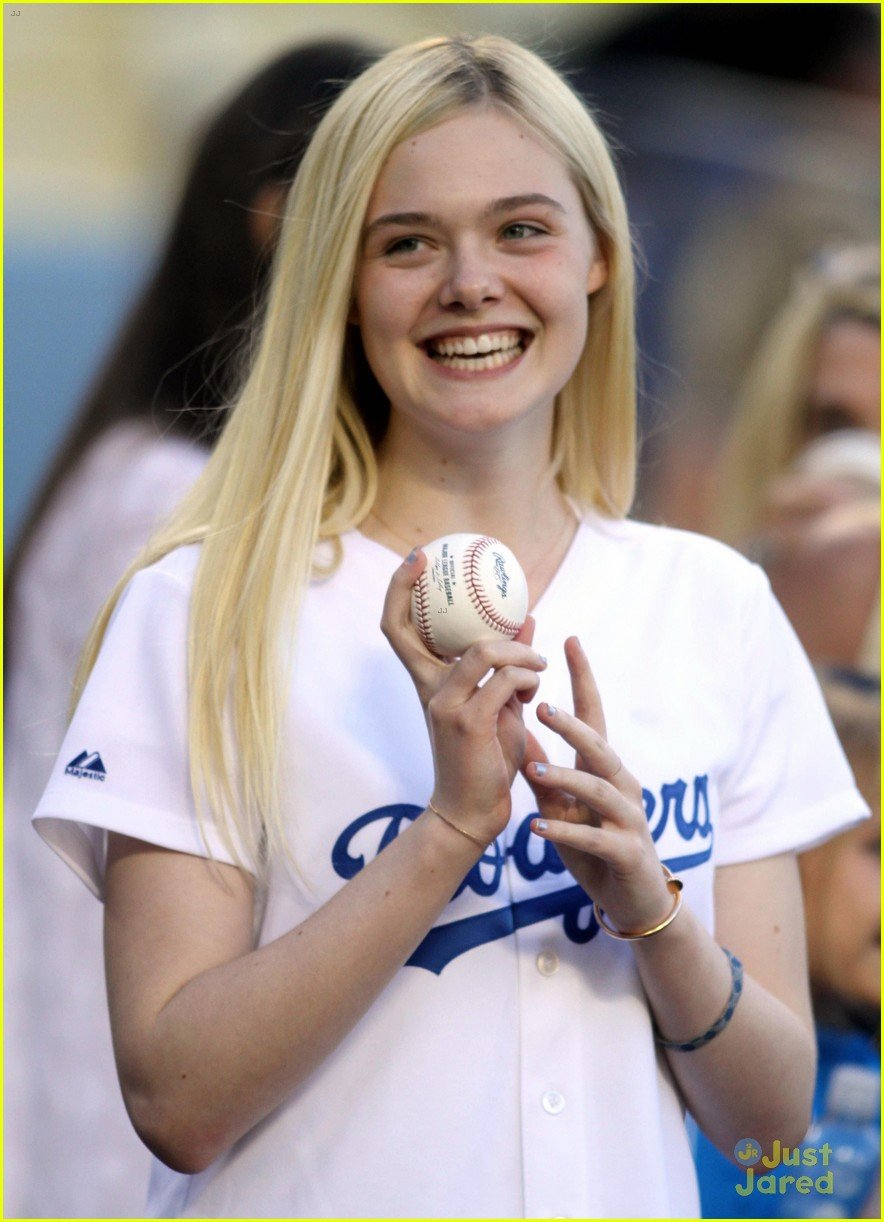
471, 281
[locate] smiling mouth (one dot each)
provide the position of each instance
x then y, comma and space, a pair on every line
491, 350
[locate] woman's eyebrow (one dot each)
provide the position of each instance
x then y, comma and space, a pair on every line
496, 206
521, 201
403, 218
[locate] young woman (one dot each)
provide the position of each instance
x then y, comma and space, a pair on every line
349, 974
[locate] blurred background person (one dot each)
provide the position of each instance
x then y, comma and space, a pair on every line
798, 487
140, 439
842, 894
749, 139
800, 479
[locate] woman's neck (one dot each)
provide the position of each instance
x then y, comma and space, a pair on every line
426, 490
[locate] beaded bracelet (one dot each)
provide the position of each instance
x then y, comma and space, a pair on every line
719, 1026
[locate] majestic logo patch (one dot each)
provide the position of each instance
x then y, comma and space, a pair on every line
89, 767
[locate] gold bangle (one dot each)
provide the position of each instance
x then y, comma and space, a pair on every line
463, 831
675, 886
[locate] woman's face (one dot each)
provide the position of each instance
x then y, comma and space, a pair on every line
476, 265
845, 386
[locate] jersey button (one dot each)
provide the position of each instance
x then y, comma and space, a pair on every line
547, 962
552, 1102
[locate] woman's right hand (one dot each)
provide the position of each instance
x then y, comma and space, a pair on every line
477, 732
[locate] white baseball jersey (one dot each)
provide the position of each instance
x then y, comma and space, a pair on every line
509, 1069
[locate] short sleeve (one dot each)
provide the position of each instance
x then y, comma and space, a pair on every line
789, 786
124, 762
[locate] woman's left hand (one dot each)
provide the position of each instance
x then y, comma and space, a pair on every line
594, 813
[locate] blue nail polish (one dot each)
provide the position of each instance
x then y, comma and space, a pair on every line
551, 710
540, 769
412, 556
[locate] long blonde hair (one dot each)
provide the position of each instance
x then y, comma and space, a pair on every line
770, 421
296, 465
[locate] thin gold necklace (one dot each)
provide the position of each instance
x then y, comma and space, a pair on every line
569, 522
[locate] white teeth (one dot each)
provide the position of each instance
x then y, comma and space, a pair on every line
477, 363
469, 345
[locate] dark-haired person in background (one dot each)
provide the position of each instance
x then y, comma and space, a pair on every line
141, 437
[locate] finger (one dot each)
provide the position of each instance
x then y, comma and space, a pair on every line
806, 494
396, 615
398, 626
599, 841
534, 752
525, 635
552, 804
592, 791
587, 701
466, 674
503, 684
595, 752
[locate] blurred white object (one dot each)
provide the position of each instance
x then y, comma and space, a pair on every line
848, 454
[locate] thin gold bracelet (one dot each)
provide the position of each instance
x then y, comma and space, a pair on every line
463, 831
675, 886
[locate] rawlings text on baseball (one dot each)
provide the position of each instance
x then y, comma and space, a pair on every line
472, 589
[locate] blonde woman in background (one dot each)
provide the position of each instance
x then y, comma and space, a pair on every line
801, 474
349, 973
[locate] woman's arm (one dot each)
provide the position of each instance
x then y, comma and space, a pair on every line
210, 1035
755, 1078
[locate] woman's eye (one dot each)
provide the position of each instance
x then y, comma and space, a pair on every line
522, 229
404, 246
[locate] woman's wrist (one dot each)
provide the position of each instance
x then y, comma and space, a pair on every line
646, 926
446, 843
683, 951
480, 821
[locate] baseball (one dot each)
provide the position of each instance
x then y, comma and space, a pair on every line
473, 589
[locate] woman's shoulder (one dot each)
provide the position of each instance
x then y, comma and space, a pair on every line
124, 485
176, 568
668, 551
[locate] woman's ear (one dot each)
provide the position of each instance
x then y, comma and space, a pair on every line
598, 274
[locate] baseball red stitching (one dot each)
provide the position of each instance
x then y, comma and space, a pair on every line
478, 597
422, 611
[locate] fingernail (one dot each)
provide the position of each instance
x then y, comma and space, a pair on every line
539, 825
540, 769
412, 556
544, 659
551, 710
